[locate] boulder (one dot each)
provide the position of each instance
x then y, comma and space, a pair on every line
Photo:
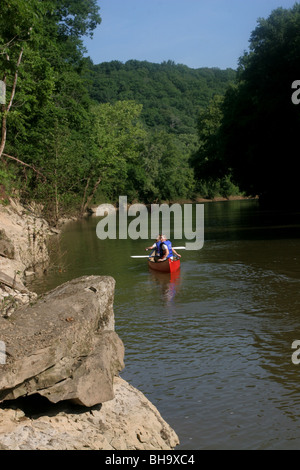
128, 422
63, 346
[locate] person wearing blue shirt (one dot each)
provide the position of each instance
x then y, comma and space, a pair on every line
166, 249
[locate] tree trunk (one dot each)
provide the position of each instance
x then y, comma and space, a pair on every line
3, 133
84, 196
7, 108
90, 197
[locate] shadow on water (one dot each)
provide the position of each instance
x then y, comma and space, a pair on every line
248, 220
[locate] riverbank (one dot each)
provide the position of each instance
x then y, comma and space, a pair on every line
198, 200
24, 236
126, 421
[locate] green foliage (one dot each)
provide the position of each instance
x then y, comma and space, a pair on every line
260, 127
78, 133
171, 94
205, 161
117, 140
249, 137
211, 188
48, 122
212, 176
172, 97
7, 179
164, 170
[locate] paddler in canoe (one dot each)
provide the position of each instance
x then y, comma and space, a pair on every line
164, 253
155, 247
166, 249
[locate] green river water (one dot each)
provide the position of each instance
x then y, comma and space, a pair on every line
212, 347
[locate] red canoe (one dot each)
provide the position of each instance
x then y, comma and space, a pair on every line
167, 266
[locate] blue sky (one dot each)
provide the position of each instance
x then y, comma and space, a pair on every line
196, 33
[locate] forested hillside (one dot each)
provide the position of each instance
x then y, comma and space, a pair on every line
172, 97
171, 94
75, 134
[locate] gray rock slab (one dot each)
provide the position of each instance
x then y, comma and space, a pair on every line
64, 346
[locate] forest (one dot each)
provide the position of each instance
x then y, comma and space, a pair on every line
74, 133
253, 130
171, 94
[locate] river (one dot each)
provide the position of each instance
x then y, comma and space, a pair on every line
212, 347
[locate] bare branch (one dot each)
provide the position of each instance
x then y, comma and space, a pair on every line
25, 164
7, 109
15, 81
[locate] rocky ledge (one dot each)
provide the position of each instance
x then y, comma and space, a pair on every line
127, 422
63, 347
24, 236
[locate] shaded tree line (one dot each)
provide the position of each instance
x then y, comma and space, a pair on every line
251, 134
45, 119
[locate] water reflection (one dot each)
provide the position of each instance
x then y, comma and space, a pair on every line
167, 283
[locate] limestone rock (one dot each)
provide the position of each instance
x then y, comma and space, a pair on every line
64, 346
6, 246
10, 282
23, 247
128, 422
26, 237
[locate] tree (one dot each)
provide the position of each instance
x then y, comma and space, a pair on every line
48, 112
213, 177
164, 172
18, 21
260, 127
171, 94
206, 160
117, 139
